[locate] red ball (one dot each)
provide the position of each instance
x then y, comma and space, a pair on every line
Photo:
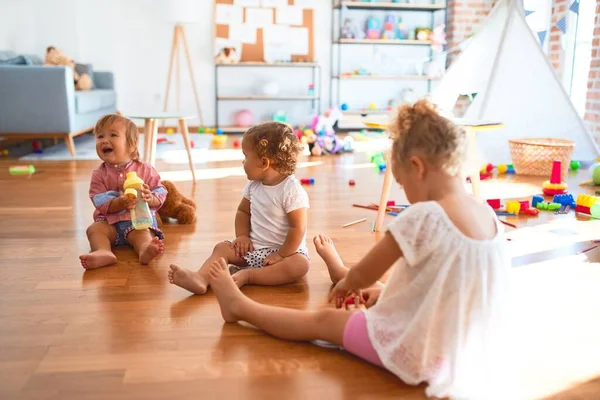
192, 144
489, 168
237, 144
351, 182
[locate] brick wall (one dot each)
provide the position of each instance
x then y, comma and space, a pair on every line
556, 54
592, 106
464, 18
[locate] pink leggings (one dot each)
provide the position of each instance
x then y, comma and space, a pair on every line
356, 339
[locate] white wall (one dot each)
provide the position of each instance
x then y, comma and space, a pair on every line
132, 38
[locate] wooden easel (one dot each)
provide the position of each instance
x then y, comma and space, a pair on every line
180, 39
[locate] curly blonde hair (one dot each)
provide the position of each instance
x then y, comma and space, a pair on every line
278, 143
420, 129
131, 131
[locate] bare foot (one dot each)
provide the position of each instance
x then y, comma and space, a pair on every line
240, 278
188, 280
152, 249
228, 294
97, 259
327, 251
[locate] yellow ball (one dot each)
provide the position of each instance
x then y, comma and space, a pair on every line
170, 131
372, 106
502, 168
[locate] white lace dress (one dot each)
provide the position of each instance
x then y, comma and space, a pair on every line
440, 317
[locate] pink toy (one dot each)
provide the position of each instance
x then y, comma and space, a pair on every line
244, 118
438, 37
323, 124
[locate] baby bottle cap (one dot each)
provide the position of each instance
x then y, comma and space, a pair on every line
131, 192
131, 174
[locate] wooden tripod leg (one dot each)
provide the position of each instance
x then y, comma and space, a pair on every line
147, 139
189, 63
174, 50
385, 195
152, 144
186, 140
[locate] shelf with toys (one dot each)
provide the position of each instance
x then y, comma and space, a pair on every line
266, 89
413, 36
389, 5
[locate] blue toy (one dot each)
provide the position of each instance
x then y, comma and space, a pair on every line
219, 131
373, 28
564, 199
536, 199
344, 107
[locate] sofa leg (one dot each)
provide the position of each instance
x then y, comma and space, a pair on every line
70, 144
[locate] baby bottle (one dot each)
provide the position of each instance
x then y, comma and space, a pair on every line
141, 217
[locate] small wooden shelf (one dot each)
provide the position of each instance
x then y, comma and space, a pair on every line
261, 97
406, 42
264, 64
385, 77
389, 6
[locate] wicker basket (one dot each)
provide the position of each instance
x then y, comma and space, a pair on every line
535, 156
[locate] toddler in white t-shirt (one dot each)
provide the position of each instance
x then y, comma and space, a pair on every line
270, 224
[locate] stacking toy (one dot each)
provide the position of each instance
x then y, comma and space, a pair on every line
555, 185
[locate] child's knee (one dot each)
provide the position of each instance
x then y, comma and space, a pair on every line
299, 266
97, 227
222, 249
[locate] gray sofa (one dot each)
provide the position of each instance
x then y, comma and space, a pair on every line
41, 102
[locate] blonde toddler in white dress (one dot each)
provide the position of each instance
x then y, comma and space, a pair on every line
439, 318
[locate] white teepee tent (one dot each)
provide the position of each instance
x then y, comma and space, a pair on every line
515, 84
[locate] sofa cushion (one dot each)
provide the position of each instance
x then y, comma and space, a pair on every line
93, 100
7, 55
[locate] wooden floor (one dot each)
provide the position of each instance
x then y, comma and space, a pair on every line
124, 333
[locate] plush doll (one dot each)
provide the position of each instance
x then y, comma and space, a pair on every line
351, 31
227, 55
389, 28
56, 57
438, 36
177, 206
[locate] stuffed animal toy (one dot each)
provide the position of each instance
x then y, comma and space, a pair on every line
351, 31
227, 55
438, 36
55, 57
177, 206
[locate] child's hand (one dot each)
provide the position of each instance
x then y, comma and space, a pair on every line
128, 202
145, 193
339, 293
242, 245
369, 296
272, 258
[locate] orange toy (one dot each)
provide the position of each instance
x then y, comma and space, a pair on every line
555, 185
176, 206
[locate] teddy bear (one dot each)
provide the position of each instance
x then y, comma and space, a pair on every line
177, 206
227, 55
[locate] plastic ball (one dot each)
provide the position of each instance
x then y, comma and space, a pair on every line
200, 129
575, 165
322, 132
351, 182
219, 131
502, 168
344, 107
372, 106
595, 210
489, 168
192, 144
244, 118
237, 144
170, 131
595, 173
